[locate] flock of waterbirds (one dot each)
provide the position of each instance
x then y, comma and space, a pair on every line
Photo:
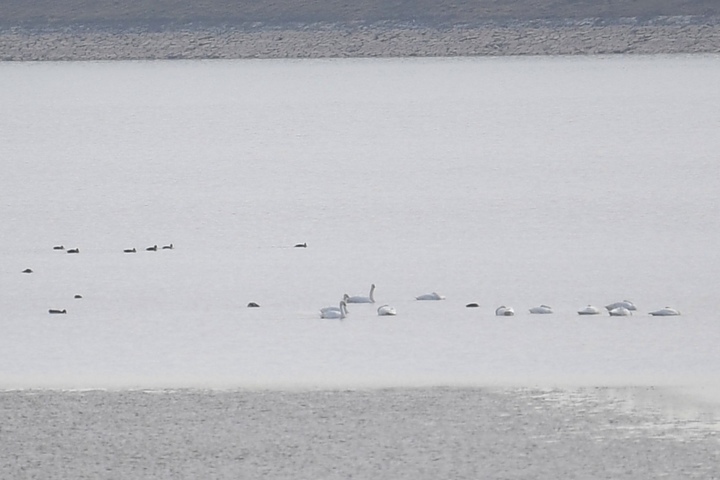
152, 248
618, 309
58, 311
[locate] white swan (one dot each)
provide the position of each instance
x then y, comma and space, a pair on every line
333, 312
625, 304
430, 296
503, 311
360, 299
541, 309
589, 310
665, 312
386, 310
343, 306
620, 312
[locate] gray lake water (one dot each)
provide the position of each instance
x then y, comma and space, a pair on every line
394, 433
516, 181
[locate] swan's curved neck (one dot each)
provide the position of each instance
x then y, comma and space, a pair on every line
372, 290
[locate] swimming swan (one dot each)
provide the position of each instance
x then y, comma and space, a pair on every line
665, 312
386, 310
503, 311
329, 313
430, 296
625, 304
541, 309
589, 310
337, 309
620, 312
360, 299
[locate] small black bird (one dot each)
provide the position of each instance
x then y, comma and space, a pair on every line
52, 310
152, 249
27, 270
301, 245
74, 250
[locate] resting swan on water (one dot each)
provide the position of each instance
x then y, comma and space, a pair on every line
333, 312
624, 304
361, 299
541, 309
386, 310
589, 310
503, 311
665, 312
430, 296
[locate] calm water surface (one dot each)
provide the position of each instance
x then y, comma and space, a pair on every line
516, 181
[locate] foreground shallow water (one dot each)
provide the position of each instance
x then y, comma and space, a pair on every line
424, 433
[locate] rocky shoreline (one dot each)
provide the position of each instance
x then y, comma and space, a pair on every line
668, 35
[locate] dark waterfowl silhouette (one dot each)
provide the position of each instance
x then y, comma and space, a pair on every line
77, 296
56, 311
74, 250
301, 245
168, 247
252, 305
472, 305
58, 247
152, 249
130, 250
27, 270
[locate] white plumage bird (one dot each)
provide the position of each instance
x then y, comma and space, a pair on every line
541, 309
360, 299
334, 312
665, 312
430, 296
620, 312
589, 310
386, 310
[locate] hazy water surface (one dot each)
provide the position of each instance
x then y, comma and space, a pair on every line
563, 181
515, 181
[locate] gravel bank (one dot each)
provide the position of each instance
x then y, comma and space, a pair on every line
589, 37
